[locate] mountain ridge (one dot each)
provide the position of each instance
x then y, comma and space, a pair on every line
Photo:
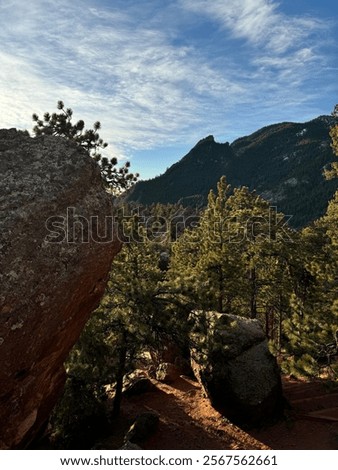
283, 162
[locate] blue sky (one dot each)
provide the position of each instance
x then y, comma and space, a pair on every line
161, 75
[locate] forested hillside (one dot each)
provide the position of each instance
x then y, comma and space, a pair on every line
283, 162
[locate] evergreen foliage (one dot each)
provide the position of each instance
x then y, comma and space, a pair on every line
332, 172
312, 327
60, 124
234, 261
135, 316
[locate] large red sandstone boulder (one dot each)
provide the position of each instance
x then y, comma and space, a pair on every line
54, 259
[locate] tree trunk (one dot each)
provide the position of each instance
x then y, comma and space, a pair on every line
119, 377
220, 291
270, 323
253, 296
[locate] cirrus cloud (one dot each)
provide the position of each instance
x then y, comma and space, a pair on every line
159, 75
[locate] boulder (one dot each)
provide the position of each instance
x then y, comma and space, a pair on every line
231, 360
144, 426
137, 383
54, 259
167, 372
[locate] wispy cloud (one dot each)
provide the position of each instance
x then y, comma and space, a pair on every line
282, 56
259, 22
106, 64
280, 44
139, 69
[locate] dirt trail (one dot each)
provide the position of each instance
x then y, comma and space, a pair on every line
187, 420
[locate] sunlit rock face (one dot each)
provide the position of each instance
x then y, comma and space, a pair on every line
55, 254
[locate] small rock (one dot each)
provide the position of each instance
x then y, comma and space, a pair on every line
137, 383
167, 372
130, 446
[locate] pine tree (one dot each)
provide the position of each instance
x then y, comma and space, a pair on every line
332, 172
264, 245
60, 124
229, 262
202, 265
312, 328
135, 313
130, 306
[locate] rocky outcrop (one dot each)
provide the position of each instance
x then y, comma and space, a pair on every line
54, 259
232, 361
